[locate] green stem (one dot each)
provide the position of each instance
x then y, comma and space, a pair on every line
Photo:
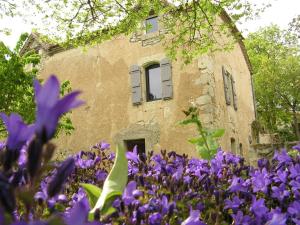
200, 129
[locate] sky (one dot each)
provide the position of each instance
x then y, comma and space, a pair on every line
281, 13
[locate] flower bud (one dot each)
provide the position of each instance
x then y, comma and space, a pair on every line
65, 169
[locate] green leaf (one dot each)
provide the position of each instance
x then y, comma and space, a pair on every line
188, 121
203, 152
218, 133
115, 182
198, 140
59, 207
93, 192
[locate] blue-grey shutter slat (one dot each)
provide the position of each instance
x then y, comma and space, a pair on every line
166, 78
234, 93
135, 73
226, 86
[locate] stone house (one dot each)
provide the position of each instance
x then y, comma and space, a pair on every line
134, 94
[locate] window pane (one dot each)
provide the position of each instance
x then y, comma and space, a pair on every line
153, 79
151, 25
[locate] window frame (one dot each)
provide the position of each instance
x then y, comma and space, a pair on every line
147, 83
230, 91
145, 24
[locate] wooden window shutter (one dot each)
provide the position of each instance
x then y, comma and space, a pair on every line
234, 95
226, 86
166, 78
135, 73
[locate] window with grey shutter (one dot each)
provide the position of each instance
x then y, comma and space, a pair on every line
234, 95
166, 78
135, 73
226, 86
153, 82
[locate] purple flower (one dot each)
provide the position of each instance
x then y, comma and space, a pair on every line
155, 219
18, 132
281, 176
62, 198
294, 208
101, 175
280, 192
178, 174
258, 207
187, 179
240, 219
84, 163
277, 219
50, 108
111, 156
237, 185
62, 173
263, 163
40, 196
282, 157
234, 204
166, 206
133, 155
78, 214
260, 180
23, 157
130, 193
77, 197
295, 185
297, 147
294, 170
2, 145
193, 219
104, 145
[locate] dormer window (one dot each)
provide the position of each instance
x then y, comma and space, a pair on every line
151, 24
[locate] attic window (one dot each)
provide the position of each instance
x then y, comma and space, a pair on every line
151, 24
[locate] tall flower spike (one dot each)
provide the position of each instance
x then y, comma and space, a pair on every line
50, 108
18, 134
18, 131
65, 169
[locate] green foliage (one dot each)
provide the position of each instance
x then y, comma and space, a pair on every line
294, 26
193, 24
16, 90
114, 184
93, 193
7, 8
274, 55
206, 143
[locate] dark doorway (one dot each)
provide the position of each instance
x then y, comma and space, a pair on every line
140, 145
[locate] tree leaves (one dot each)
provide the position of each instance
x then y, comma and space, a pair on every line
274, 55
194, 24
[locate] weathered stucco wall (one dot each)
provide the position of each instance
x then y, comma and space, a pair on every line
102, 74
237, 123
